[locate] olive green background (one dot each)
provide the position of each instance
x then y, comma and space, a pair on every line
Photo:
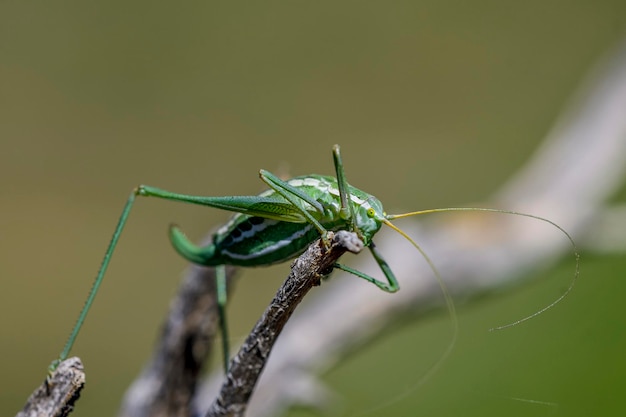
434, 104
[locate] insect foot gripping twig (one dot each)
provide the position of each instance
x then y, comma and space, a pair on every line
246, 367
58, 393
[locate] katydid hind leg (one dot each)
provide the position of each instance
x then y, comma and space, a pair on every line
97, 281
253, 205
240, 204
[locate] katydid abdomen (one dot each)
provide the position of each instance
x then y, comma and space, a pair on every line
254, 241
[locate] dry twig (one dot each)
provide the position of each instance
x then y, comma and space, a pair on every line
58, 393
246, 367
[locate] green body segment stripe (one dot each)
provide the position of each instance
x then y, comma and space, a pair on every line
266, 241
267, 248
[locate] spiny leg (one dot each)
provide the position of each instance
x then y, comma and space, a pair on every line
96, 284
269, 207
347, 212
254, 205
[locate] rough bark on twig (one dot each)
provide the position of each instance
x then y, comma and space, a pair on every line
246, 367
57, 394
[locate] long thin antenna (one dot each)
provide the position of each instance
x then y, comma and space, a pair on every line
516, 213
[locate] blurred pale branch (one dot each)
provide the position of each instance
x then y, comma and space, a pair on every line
569, 180
607, 234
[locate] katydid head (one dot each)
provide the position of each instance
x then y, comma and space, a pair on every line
368, 217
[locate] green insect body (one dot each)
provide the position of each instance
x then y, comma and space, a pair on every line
278, 225
253, 241
272, 227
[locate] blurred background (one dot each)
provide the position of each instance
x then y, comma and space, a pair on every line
434, 104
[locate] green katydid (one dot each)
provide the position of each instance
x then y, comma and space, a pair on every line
275, 226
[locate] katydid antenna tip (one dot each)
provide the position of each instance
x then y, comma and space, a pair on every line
509, 212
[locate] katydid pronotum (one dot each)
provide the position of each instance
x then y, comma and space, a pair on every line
278, 225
